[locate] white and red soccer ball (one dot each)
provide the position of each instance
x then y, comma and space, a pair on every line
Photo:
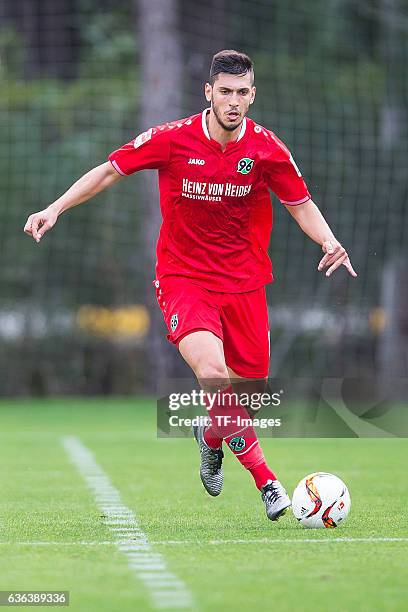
321, 500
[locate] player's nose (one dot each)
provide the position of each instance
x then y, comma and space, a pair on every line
234, 100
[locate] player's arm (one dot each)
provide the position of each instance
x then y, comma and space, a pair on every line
83, 189
312, 222
285, 179
150, 150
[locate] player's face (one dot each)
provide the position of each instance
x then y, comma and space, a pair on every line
230, 97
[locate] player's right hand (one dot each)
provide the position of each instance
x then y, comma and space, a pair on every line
40, 222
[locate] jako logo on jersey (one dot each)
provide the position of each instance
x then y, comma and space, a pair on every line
245, 165
174, 322
196, 162
237, 444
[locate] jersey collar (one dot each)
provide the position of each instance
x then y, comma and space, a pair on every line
207, 133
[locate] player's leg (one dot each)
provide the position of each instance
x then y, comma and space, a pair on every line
193, 319
205, 355
249, 386
203, 351
246, 348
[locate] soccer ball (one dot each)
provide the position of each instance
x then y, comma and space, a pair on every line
321, 500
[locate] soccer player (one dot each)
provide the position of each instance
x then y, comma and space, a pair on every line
215, 170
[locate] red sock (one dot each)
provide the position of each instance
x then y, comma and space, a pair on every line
230, 421
248, 451
212, 436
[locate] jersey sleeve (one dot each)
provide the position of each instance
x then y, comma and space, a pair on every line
150, 150
283, 176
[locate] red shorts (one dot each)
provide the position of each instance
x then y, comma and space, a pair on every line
240, 320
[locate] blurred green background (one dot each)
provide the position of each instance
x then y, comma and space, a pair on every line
80, 77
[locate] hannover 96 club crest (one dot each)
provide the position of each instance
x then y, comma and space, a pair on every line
174, 322
245, 165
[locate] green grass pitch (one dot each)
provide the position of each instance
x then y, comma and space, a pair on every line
229, 555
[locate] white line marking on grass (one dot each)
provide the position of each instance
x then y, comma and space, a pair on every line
55, 543
166, 590
280, 541
124, 542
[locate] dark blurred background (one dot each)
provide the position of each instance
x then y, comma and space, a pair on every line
80, 77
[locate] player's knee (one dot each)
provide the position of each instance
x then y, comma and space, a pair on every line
212, 374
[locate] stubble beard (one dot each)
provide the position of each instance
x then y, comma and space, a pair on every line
228, 128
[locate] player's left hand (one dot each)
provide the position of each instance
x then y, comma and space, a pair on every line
335, 256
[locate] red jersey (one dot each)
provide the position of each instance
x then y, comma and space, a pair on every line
216, 207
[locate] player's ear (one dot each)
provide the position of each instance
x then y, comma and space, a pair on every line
253, 94
207, 92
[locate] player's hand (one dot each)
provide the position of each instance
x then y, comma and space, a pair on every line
39, 223
335, 256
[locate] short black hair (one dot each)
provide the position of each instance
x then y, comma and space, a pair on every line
232, 62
